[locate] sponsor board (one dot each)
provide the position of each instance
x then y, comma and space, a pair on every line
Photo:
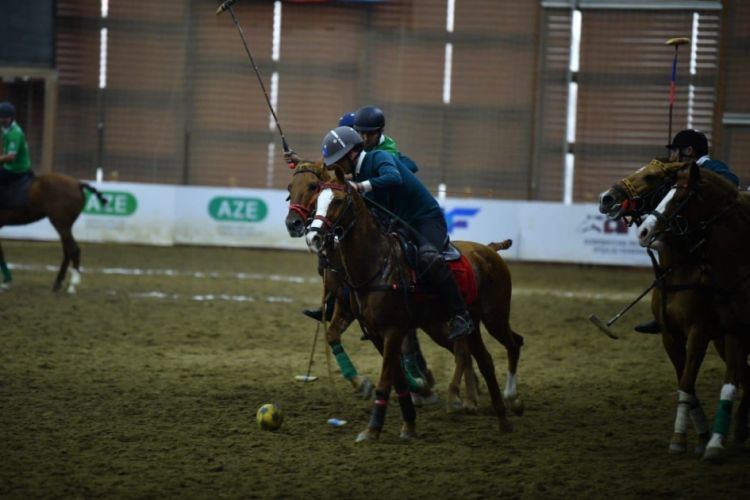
165, 215
233, 217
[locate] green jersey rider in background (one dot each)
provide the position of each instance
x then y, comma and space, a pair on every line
14, 159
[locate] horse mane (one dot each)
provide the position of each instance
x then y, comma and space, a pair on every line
316, 167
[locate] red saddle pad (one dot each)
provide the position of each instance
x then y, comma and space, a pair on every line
465, 278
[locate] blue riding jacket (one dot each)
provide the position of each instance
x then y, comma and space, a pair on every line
720, 168
395, 187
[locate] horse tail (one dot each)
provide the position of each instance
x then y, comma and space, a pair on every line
88, 187
503, 245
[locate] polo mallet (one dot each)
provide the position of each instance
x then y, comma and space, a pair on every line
605, 326
673, 85
307, 377
227, 5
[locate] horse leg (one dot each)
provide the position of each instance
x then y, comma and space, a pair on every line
70, 251
740, 424
733, 351
415, 379
363, 387
487, 369
389, 372
7, 277
688, 403
499, 328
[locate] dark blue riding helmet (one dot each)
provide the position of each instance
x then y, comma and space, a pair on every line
690, 137
369, 119
347, 120
7, 110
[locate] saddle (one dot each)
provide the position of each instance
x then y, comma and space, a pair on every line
459, 264
16, 194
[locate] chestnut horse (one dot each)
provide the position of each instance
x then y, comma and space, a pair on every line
60, 198
707, 216
374, 267
303, 192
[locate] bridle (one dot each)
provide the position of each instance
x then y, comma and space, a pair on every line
636, 205
304, 210
335, 230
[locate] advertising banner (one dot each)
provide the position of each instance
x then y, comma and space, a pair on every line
233, 217
577, 233
165, 215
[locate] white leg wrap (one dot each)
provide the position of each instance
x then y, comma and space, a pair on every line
511, 390
728, 392
684, 401
75, 280
717, 441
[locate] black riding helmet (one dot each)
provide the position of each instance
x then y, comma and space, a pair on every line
369, 119
7, 110
690, 137
338, 142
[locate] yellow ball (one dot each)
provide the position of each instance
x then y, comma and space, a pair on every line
269, 417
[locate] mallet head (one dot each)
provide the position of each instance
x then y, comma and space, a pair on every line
677, 41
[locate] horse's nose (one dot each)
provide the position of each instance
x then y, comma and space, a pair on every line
294, 226
314, 242
606, 200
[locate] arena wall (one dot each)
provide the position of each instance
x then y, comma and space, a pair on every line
155, 214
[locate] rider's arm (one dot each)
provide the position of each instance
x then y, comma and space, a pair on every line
386, 174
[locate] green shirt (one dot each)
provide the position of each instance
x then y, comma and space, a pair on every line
14, 141
386, 144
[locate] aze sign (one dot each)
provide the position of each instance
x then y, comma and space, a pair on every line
226, 209
119, 204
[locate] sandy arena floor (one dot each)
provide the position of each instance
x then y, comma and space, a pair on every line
146, 383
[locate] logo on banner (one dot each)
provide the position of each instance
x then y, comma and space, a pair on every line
119, 204
457, 218
232, 209
602, 224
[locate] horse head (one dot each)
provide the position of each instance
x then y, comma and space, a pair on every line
303, 191
334, 216
697, 199
639, 193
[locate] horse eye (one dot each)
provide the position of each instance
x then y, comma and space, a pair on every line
312, 187
288, 187
649, 178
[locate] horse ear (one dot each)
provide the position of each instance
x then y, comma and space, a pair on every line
695, 174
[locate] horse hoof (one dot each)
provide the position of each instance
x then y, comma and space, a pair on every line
420, 400
506, 426
678, 444
677, 448
471, 408
367, 435
365, 389
517, 406
408, 431
5, 286
714, 455
454, 406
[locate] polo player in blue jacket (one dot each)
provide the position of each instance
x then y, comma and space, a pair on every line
379, 176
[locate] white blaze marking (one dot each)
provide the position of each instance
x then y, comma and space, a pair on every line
646, 229
324, 200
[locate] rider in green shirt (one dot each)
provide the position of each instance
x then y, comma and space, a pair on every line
369, 121
15, 158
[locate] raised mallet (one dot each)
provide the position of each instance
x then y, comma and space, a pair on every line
227, 5
676, 42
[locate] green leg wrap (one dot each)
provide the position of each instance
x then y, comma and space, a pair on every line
7, 278
723, 417
411, 370
345, 364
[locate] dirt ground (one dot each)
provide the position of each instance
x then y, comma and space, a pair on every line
146, 383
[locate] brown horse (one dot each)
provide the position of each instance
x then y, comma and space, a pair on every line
374, 267
708, 217
303, 192
681, 300
60, 198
